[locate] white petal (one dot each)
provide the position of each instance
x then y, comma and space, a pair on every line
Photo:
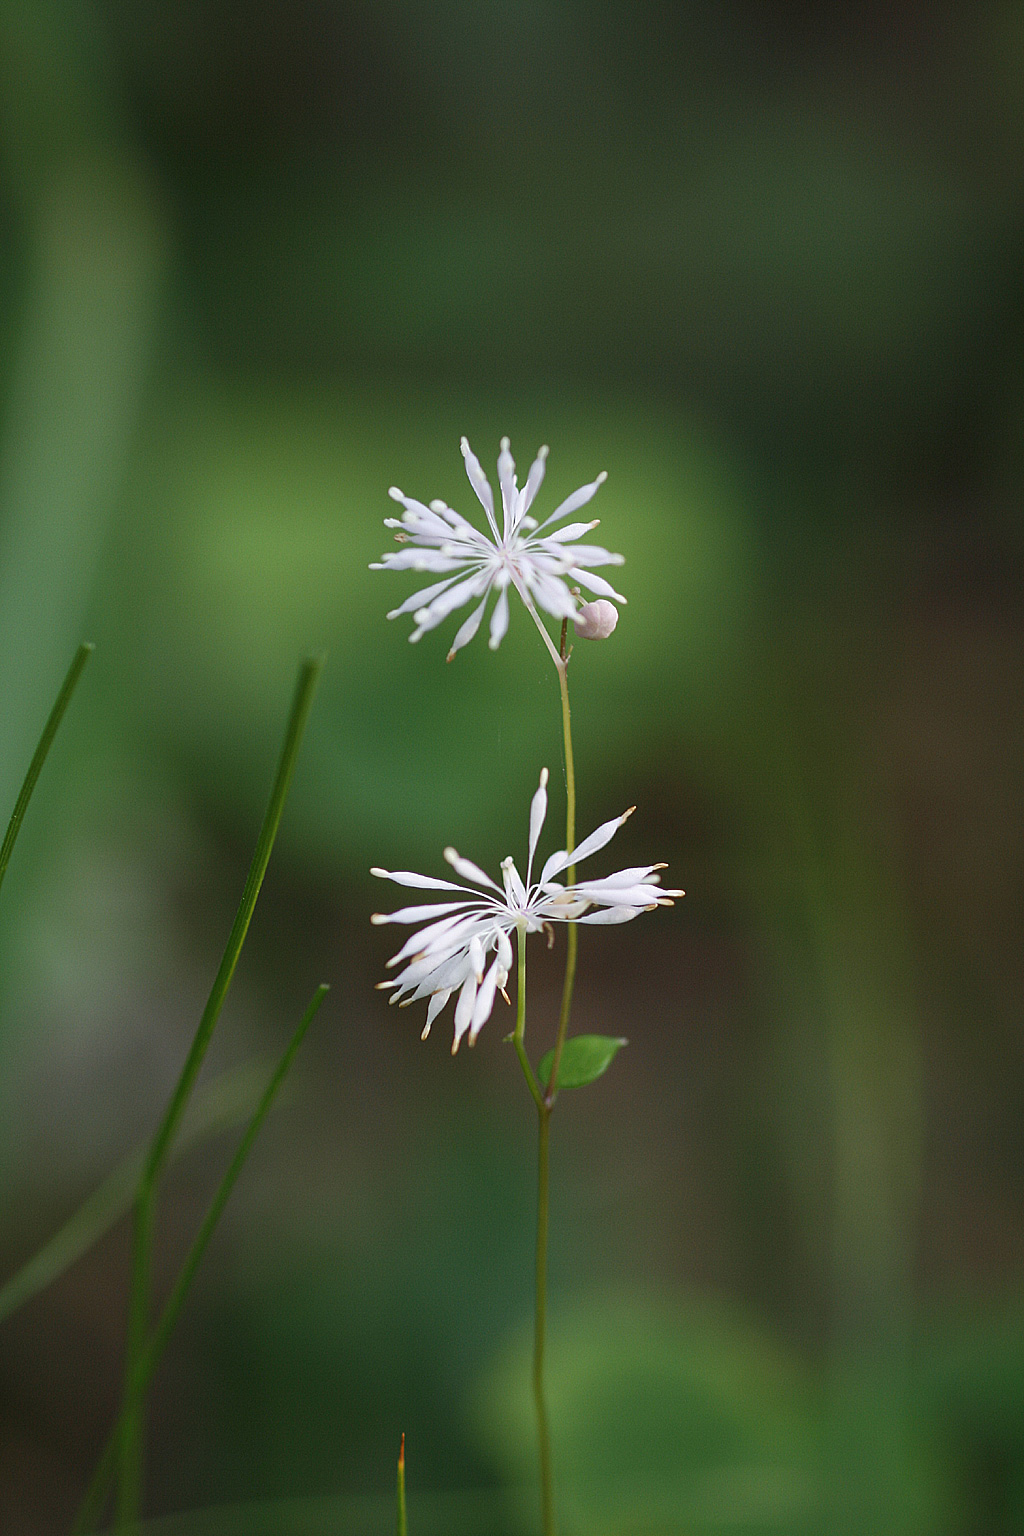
597, 840
480, 483
513, 882
484, 1001
464, 1009
596, 584
595, 554
507, 482
470, 871
552, 595
634, 876
504, 948
499, 620
437, 1002
415, 558
612, 915
414, 914
476, 957
569, 532
533, 484
469, 628
576, 500
420, 882
441, 607
422, 598
436, 939
538, 811
616, 895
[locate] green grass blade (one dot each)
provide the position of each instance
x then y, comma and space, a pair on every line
35, 767
107, 1467
221, 1105
176, 1300
130, 1475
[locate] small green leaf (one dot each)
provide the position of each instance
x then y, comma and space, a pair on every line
584, 1058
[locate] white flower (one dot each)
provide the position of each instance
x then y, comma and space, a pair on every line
533, 558
449, 953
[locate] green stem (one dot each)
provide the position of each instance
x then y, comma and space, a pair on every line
402, 1523
572, 936
130, 1457
149, 1359
540, 1312
519, 1036
547, 1489
35, 767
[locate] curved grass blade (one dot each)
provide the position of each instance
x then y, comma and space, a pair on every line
130, 1476
222, 1104
39, 756
103, 1477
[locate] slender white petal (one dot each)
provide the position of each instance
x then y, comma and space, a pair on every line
480, 483
434, 1007
421, 882
416, 914
612, 915
538, 811
552, 595
570, 531
533, 484
507, 481
499, 620
484, 1002
514, 886
592, 844
575, 501
468, 629
464, 1009
441, 607
596, 584
468, 870
432, 940
422, 598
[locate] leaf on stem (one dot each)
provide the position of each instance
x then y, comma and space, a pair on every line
584, 1059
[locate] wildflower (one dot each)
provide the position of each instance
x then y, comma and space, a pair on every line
534, 558
449, 953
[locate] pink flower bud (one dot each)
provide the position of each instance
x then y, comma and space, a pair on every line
595, 621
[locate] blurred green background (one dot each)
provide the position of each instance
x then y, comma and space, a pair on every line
762, 263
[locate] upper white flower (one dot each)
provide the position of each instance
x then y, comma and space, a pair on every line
524, 554
450, 952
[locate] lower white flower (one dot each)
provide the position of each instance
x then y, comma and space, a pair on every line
450, 952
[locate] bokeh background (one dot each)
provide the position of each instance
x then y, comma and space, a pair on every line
762, 263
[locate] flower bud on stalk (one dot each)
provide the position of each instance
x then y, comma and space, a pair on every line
595, 621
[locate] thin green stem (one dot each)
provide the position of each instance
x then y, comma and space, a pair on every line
540, 1312
35, 767
519, 1036
401, 1523
130, 1457
547, 1487
572, 936
149, 1359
